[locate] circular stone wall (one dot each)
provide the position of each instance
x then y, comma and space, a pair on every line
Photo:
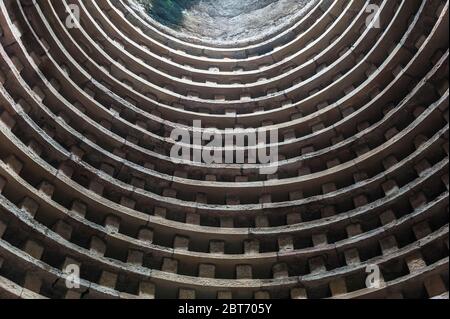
347, 198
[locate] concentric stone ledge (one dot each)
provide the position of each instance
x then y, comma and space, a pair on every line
87, 180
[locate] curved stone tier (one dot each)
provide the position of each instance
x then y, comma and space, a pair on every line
92, 90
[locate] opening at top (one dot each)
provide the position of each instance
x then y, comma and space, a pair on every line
224, 21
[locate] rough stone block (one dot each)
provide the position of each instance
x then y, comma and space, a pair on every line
396, 295
445, 180
328, 188
135, 257
171, 193
304, 170
445, 147
418, 200
34, 249
352, 257
389, 161
77, 152
29, 205
72, 295
422, 167
390, 133
261, 222
146, 290
354, 230
388, 245
333, 163
14, 163
435, 286
146, 234
390, 187
316, 265
328, 211
420, 140
3, 227
265, 199
338, 287
2, 184
180, 174
38, 93
112, 224
160, 212
201, 198
96, 187
210, 178
337, 139
186, 294
421, 230
233, 200
415, 262
138, 183
193, 219
216, 247
363, 126
226, 222
108, 279
280, 271
32, 282
251, 246
97, 246
244, 272
46, 189
262, 295
224, 295
66, 169
63, 229
420, 41
128, 202
79, 208
170, 265
17, 63
360, 176
181, 243
289, 135
89, 92
298, 293
387, 217
2, 75
293, 218
360, 150
285, 243
206, 271
360, 201
320, 240
7, 120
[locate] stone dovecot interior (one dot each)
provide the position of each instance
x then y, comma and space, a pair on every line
348, 199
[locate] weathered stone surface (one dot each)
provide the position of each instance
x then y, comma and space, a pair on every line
357, 116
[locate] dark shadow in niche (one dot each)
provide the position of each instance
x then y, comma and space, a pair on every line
168, 12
